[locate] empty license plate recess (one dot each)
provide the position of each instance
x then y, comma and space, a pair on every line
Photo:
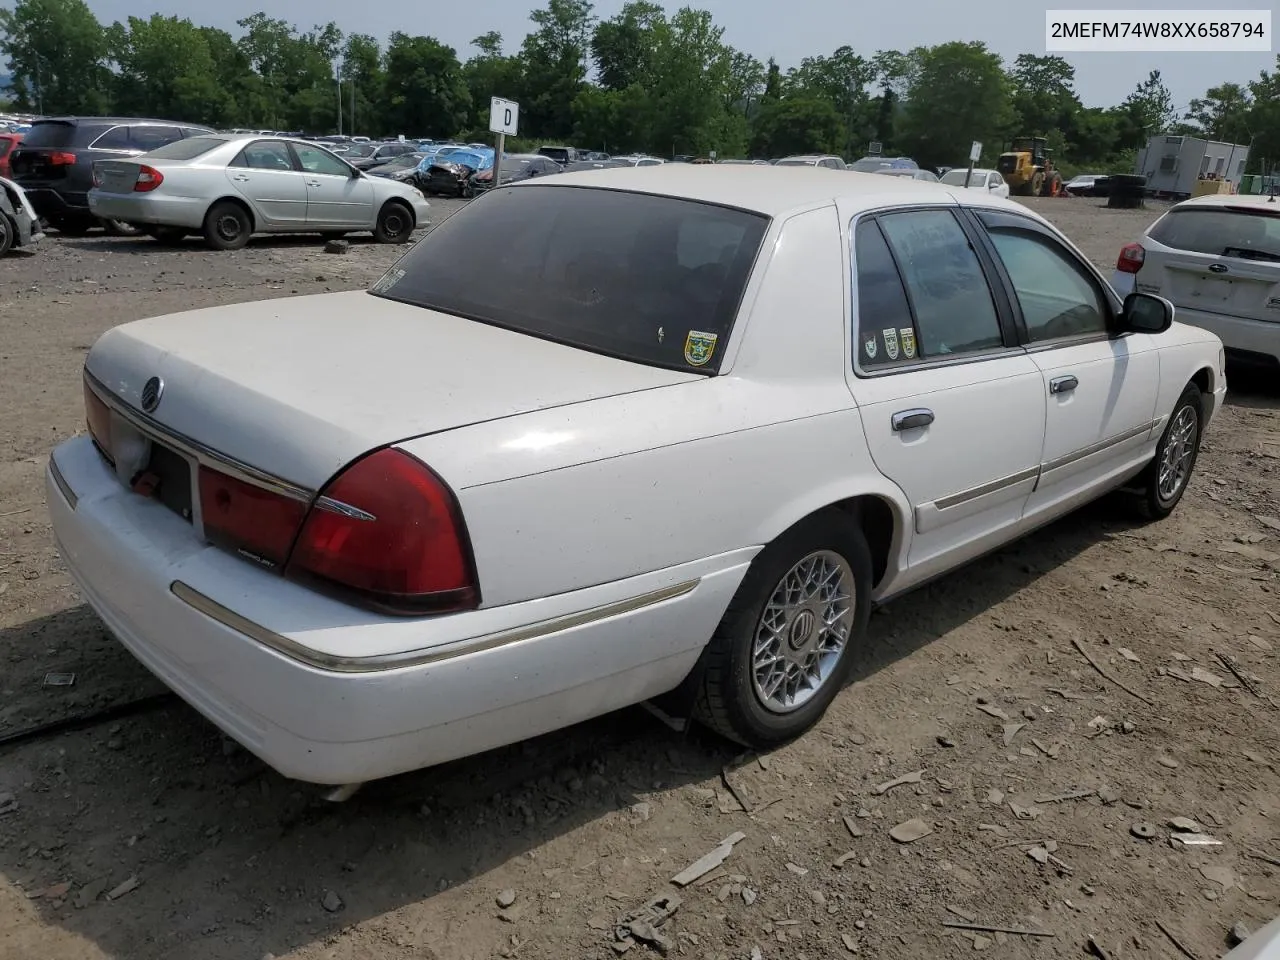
167, 478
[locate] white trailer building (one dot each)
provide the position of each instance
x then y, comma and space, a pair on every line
1173, 164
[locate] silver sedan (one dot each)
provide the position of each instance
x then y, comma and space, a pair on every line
228, 187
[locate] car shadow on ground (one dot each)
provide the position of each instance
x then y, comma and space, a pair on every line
233, 860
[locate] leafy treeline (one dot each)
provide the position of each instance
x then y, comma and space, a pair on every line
642, 80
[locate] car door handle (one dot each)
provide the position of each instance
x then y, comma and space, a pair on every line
1063, 384
241, 178
910, 419
314, 183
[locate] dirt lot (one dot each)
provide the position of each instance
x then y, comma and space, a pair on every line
975, 681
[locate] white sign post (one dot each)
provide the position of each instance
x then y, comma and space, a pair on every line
504, 116
975, 153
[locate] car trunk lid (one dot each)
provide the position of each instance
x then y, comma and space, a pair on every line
116, 176
1221, 285
298, 387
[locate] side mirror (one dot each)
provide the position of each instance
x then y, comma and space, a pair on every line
1144, 313
355, 174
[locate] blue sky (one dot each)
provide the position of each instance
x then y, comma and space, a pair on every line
786, 31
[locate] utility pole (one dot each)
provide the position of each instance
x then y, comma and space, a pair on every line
39, 86
337, 72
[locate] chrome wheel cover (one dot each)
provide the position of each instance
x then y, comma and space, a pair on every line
802, 631
1175, 459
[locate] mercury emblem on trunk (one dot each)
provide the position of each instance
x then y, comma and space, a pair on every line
151, 393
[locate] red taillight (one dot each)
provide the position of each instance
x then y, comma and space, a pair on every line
148, 179
98, 418
258, 524
1131, 258
388, 531
61, 159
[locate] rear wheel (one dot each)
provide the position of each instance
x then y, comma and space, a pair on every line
395, 223
227, 226
784, 647
7, 233
1161, 485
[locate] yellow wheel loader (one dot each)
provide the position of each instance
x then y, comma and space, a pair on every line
1023, 165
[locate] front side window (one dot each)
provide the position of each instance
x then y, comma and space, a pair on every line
318, 160
1057, 298
650, 279
952, 303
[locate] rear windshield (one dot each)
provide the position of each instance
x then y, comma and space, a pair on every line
187, 149
650, 279
559, 154
1229, 232
57, 134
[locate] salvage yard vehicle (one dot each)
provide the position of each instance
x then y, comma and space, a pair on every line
19, 225
675, 431
1217, 258
985, 181
54, 163
228, 188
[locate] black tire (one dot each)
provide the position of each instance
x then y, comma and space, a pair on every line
728, 701
395, 223
1154, 500
227, 226
7, 233
167, 235
121, 228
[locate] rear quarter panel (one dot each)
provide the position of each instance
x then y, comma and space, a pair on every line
599, 491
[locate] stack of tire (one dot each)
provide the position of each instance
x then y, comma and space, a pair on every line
1126, 191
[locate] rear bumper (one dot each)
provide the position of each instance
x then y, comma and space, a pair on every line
333, 704
163, 211
1255, 342
52, 202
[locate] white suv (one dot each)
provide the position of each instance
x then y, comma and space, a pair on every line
1218, 259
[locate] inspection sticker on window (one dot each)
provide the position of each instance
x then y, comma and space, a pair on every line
699, 347
387, 281
869, 345
908, 336
890, 342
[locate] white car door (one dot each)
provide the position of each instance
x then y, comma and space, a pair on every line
263, 173
1100, 389
952, 407
337, 195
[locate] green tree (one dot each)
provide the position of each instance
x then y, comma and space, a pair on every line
165, 68
296, 70
425, 91
1148, 110
554, 57
842, 80
1044, 99
797, 125
56, 52
490, 74
1264, 121
1223, 113
959, 93
363, 82
622, 47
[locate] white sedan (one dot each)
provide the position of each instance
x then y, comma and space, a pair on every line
990, 182
1217, 258
646, 442
228, 188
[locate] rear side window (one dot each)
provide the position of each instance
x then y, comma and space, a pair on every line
117, 138
187, 149
886, 331
650, 279
1232, 232
950, 299
148, 136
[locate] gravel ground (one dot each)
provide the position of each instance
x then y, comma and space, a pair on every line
974, 681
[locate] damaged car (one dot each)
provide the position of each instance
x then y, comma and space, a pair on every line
19, 225
451, 175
